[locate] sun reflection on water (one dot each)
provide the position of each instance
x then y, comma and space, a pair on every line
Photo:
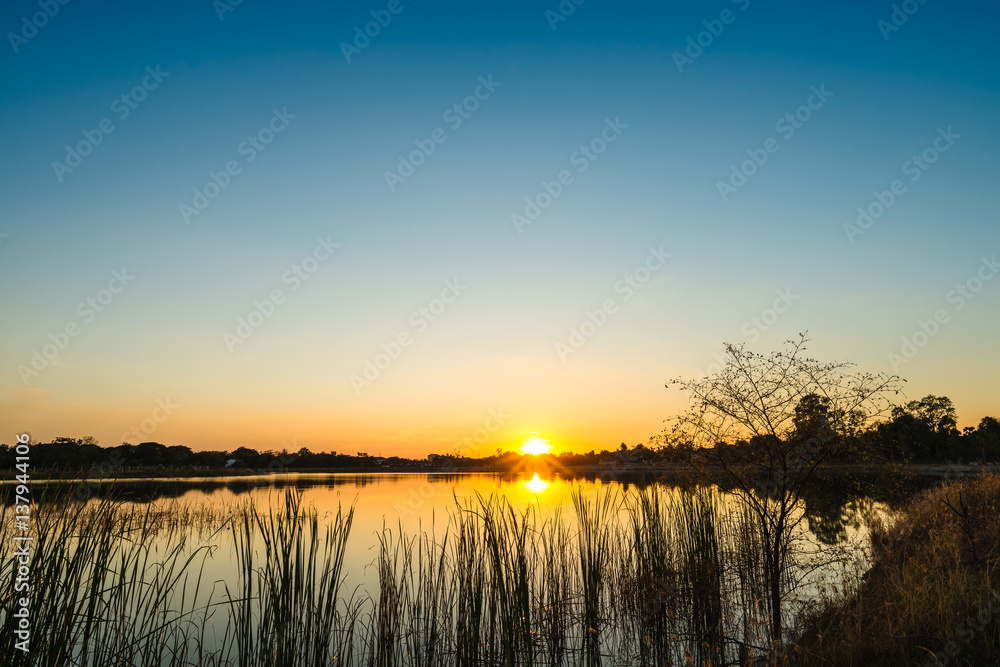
536, 484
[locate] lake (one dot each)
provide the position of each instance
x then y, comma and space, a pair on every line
472, 568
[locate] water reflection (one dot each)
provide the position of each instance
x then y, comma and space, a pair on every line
536, 484
825, 501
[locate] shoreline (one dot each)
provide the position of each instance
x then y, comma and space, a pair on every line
632, 471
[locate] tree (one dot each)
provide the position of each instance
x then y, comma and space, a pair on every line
178, 455
984, 441
787, 412
150, 454
937, 412
210, 459
920, 429
246, 456
812, 414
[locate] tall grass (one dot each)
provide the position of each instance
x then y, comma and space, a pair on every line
644, 579
594, 517
701, 552
100, 592
653, 577
289, 608
697, 580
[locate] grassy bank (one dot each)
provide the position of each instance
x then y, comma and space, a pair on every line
933, 595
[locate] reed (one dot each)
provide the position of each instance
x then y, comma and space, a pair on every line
289, 608
594, 517
100, 593
654, 589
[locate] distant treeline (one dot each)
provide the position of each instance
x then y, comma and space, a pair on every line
923, 431
85, 453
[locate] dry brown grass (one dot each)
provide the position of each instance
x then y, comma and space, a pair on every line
933, 595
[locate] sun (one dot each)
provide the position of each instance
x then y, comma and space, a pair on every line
535, 446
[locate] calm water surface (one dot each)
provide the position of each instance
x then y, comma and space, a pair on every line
416, 503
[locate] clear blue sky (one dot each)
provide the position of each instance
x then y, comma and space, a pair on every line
679, 126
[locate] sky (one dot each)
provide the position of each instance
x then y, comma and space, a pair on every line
394, 227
